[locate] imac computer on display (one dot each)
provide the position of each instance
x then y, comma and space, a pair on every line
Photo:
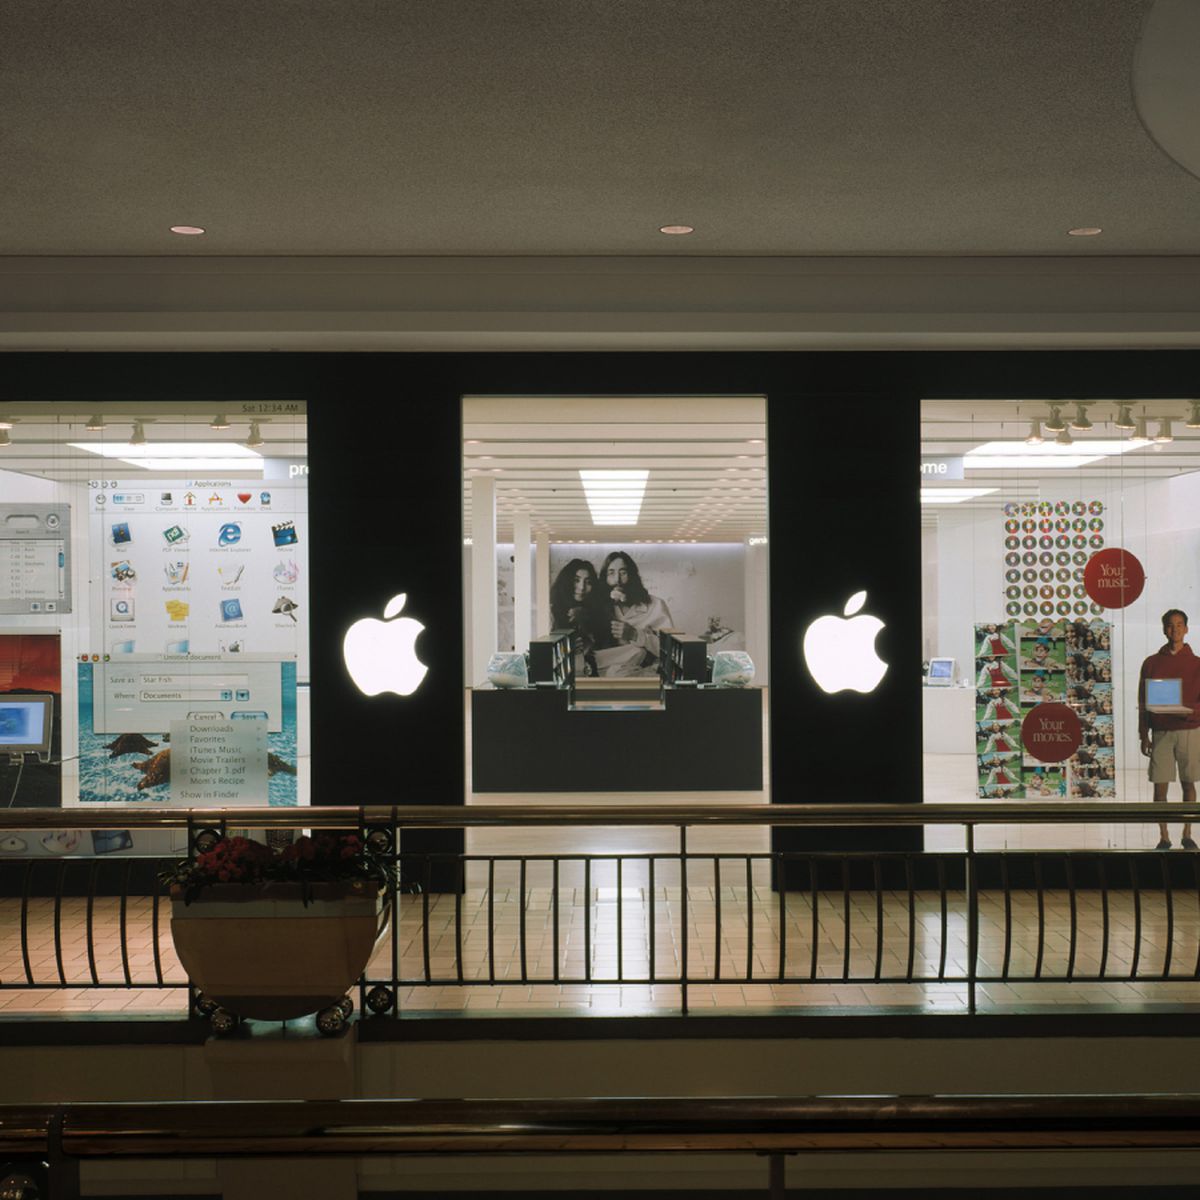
26, 722
941, 673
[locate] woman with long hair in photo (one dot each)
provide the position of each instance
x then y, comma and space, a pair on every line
570, 609
628, 615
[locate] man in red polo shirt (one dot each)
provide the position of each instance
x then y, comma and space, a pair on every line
1172, 740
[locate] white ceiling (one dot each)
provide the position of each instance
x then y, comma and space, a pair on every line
706, 457
955, 427
538, 127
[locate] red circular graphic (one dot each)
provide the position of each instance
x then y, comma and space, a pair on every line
1051, 733
1114, 578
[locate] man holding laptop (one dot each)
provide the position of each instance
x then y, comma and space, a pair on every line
1169, 718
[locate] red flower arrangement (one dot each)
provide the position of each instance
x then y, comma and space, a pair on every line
325, 858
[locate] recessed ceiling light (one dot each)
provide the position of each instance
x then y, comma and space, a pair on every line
1085, 231
187, 230
676, 229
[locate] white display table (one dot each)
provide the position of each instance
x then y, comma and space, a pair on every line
948, 720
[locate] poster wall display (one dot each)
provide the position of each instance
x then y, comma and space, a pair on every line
1047, 545
1040, 661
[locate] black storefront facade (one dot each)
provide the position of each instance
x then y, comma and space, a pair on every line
384, 433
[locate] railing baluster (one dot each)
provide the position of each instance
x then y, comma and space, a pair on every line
460, 884
912, 917
878, 919
26, 888
60, 879
651, 937
91, 922
1004, 885
683, 947
749, 918
620, 921
1074, 934
491, 921
428, 877
1041, 916
816, 913
717, 919
944, 935
781, 885
124, 922
554, 904
1103, 873
1137, 917
1170, 899
587, 922
845, 918
521, 919
155, 899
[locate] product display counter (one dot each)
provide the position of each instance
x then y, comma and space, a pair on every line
627, 736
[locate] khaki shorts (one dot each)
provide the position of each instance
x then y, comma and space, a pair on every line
1171, 748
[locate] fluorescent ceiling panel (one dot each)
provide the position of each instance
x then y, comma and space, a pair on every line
953, 495
1048, 456
614, 497
178, 456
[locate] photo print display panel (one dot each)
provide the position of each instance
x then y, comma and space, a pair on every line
693, 589
35, 558
208, 567
997, 712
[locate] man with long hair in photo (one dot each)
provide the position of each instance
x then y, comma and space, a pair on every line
629, 616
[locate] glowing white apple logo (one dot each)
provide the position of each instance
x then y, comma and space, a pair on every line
381, 656
840, 654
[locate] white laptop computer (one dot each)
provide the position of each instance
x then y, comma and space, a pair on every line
1165, 695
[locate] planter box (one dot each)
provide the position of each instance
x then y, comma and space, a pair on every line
261, 952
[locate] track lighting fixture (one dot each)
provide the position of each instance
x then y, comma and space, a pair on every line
138, 436
1139, 433
1080, 420
220, 421
255, 438
1124, 418
1064, 438
1193, 421
1054, 422
1164, 433
1035, 433
96, 424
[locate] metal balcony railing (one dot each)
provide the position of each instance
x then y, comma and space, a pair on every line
677, 918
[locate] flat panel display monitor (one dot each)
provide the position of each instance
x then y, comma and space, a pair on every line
26, 723
941, 672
